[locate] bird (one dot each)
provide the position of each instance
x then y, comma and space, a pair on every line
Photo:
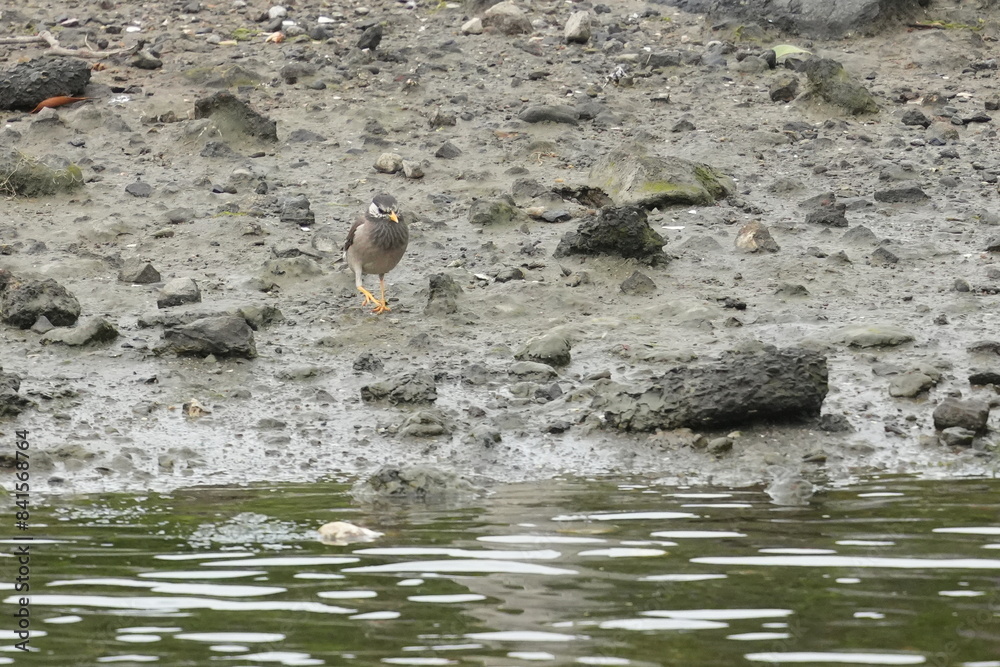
375, 244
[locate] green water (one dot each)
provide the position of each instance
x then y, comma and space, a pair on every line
568, 572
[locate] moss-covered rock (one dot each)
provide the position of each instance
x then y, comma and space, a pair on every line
830, 82
26, 176
631, 176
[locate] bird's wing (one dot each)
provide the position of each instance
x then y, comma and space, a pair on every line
360, 220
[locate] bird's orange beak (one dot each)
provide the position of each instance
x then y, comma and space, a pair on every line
393, 216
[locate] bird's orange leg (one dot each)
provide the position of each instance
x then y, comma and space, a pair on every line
369, 297
382, 306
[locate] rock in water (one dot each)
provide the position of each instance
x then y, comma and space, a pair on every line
740, 388
419, 483
621, 231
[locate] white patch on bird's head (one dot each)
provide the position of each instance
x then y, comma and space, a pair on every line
374, 211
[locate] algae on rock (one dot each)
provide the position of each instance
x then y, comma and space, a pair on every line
26, 176
631, 176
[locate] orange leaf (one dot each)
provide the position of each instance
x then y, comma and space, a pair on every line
53, 102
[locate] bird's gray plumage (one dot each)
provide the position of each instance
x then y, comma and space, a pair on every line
376, 243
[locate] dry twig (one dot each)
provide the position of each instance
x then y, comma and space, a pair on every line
46, 37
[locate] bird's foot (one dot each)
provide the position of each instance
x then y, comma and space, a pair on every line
381, 307
369, 298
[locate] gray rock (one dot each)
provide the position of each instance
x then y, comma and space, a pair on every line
993, 244
26, 176
295, 268
578, 28
296, 209
621, 231
906, 195
177, 292
984, 378
956, 436
532, 370
914, 382
145, 59
507, 18
22, 302
24, 85
415, 483
448, 151
638, 284
473, 26
416, 387
42, 326
489, 212
177, 216
550, 114
442, 298
412, 169
882, 256
829, 216
830, 82
389, 163
371, 37
425, 424
509, 274
859, 235
442, 118
915, 117
259, 317
93, 331
971, 414
754, 237
11, 403
630, 175
552, 348
740, 388
872, 335
139, 189
235, 118
221, 336
811, 18
792, 291
783, 87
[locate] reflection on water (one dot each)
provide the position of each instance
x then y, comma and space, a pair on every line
574, 572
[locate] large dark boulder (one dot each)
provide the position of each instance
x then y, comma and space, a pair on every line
621, 231
24, 85
223, 336
740, 388
22, 301
812, 18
